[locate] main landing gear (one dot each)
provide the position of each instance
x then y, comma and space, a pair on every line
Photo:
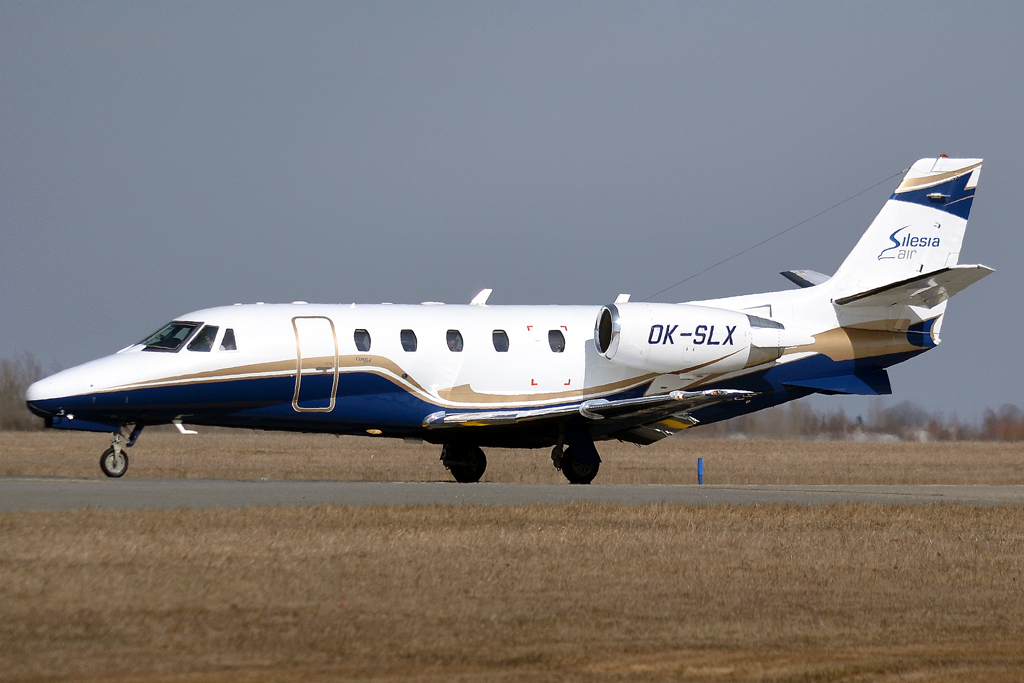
114, 461
466, 463
579, 462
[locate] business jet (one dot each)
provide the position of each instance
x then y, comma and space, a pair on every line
471, 376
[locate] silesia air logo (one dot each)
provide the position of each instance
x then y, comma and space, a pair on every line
905, 247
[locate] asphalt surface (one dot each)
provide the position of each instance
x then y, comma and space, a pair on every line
64, 493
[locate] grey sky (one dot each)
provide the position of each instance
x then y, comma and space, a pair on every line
159, 158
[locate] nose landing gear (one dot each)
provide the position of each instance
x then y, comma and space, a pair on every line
114, 461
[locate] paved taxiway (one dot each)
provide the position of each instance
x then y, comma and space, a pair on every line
63, 493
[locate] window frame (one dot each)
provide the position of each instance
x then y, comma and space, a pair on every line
454, 339
197, 335
403, 339
368, 338
184, 342
500, 334
551, 343
223, 339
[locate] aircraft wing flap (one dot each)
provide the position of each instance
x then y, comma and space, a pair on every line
644, 407
927, 290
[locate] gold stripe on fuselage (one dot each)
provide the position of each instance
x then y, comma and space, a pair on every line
838, 344
842, 343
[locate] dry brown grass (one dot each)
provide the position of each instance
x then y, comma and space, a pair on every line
254, 455
574, 592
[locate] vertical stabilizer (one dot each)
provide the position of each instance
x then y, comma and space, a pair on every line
919, 230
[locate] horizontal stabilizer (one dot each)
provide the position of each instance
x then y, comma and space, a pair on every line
805, 278
923, 290
862, 384
653, 407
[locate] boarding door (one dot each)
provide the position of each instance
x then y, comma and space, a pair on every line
316, 375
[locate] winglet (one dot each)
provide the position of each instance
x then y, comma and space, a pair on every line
481, 298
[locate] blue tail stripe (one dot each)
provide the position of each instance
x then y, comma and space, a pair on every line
956, 198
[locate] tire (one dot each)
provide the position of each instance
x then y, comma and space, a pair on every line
577, 472
113, 466
466, 463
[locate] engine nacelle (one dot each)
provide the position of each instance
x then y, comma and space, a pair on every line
677, 338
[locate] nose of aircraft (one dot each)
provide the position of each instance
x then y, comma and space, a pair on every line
75, 389
46, 388
49, 395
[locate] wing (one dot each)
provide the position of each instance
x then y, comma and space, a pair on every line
623, 416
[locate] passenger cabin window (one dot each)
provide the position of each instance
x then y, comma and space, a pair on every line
455, 341
171, 337
362, 339
408, 340
556, 341
500, 340
228, 343
204, 340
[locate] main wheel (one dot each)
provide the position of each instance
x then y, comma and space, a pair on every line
577, 472
466, 463
114, 464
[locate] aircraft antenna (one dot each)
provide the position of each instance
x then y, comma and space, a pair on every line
778, 234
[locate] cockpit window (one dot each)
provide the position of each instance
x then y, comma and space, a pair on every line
204, 340
228, 343
171, 337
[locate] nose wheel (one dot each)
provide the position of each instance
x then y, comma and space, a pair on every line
114, 462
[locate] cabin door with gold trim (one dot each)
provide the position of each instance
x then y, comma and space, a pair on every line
316, 355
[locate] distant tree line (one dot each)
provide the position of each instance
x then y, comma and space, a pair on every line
15, 376
905, 421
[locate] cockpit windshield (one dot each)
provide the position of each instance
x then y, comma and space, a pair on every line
171, 337
204, 340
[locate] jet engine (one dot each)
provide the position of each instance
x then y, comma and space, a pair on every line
684, 338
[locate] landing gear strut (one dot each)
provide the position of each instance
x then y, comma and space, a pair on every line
466, 463
114, 461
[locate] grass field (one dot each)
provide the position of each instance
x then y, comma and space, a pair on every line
572, 592
536, 593
255, 455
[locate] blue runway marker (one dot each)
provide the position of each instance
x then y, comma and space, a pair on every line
700, 470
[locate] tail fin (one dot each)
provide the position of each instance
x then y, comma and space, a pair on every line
918, 231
